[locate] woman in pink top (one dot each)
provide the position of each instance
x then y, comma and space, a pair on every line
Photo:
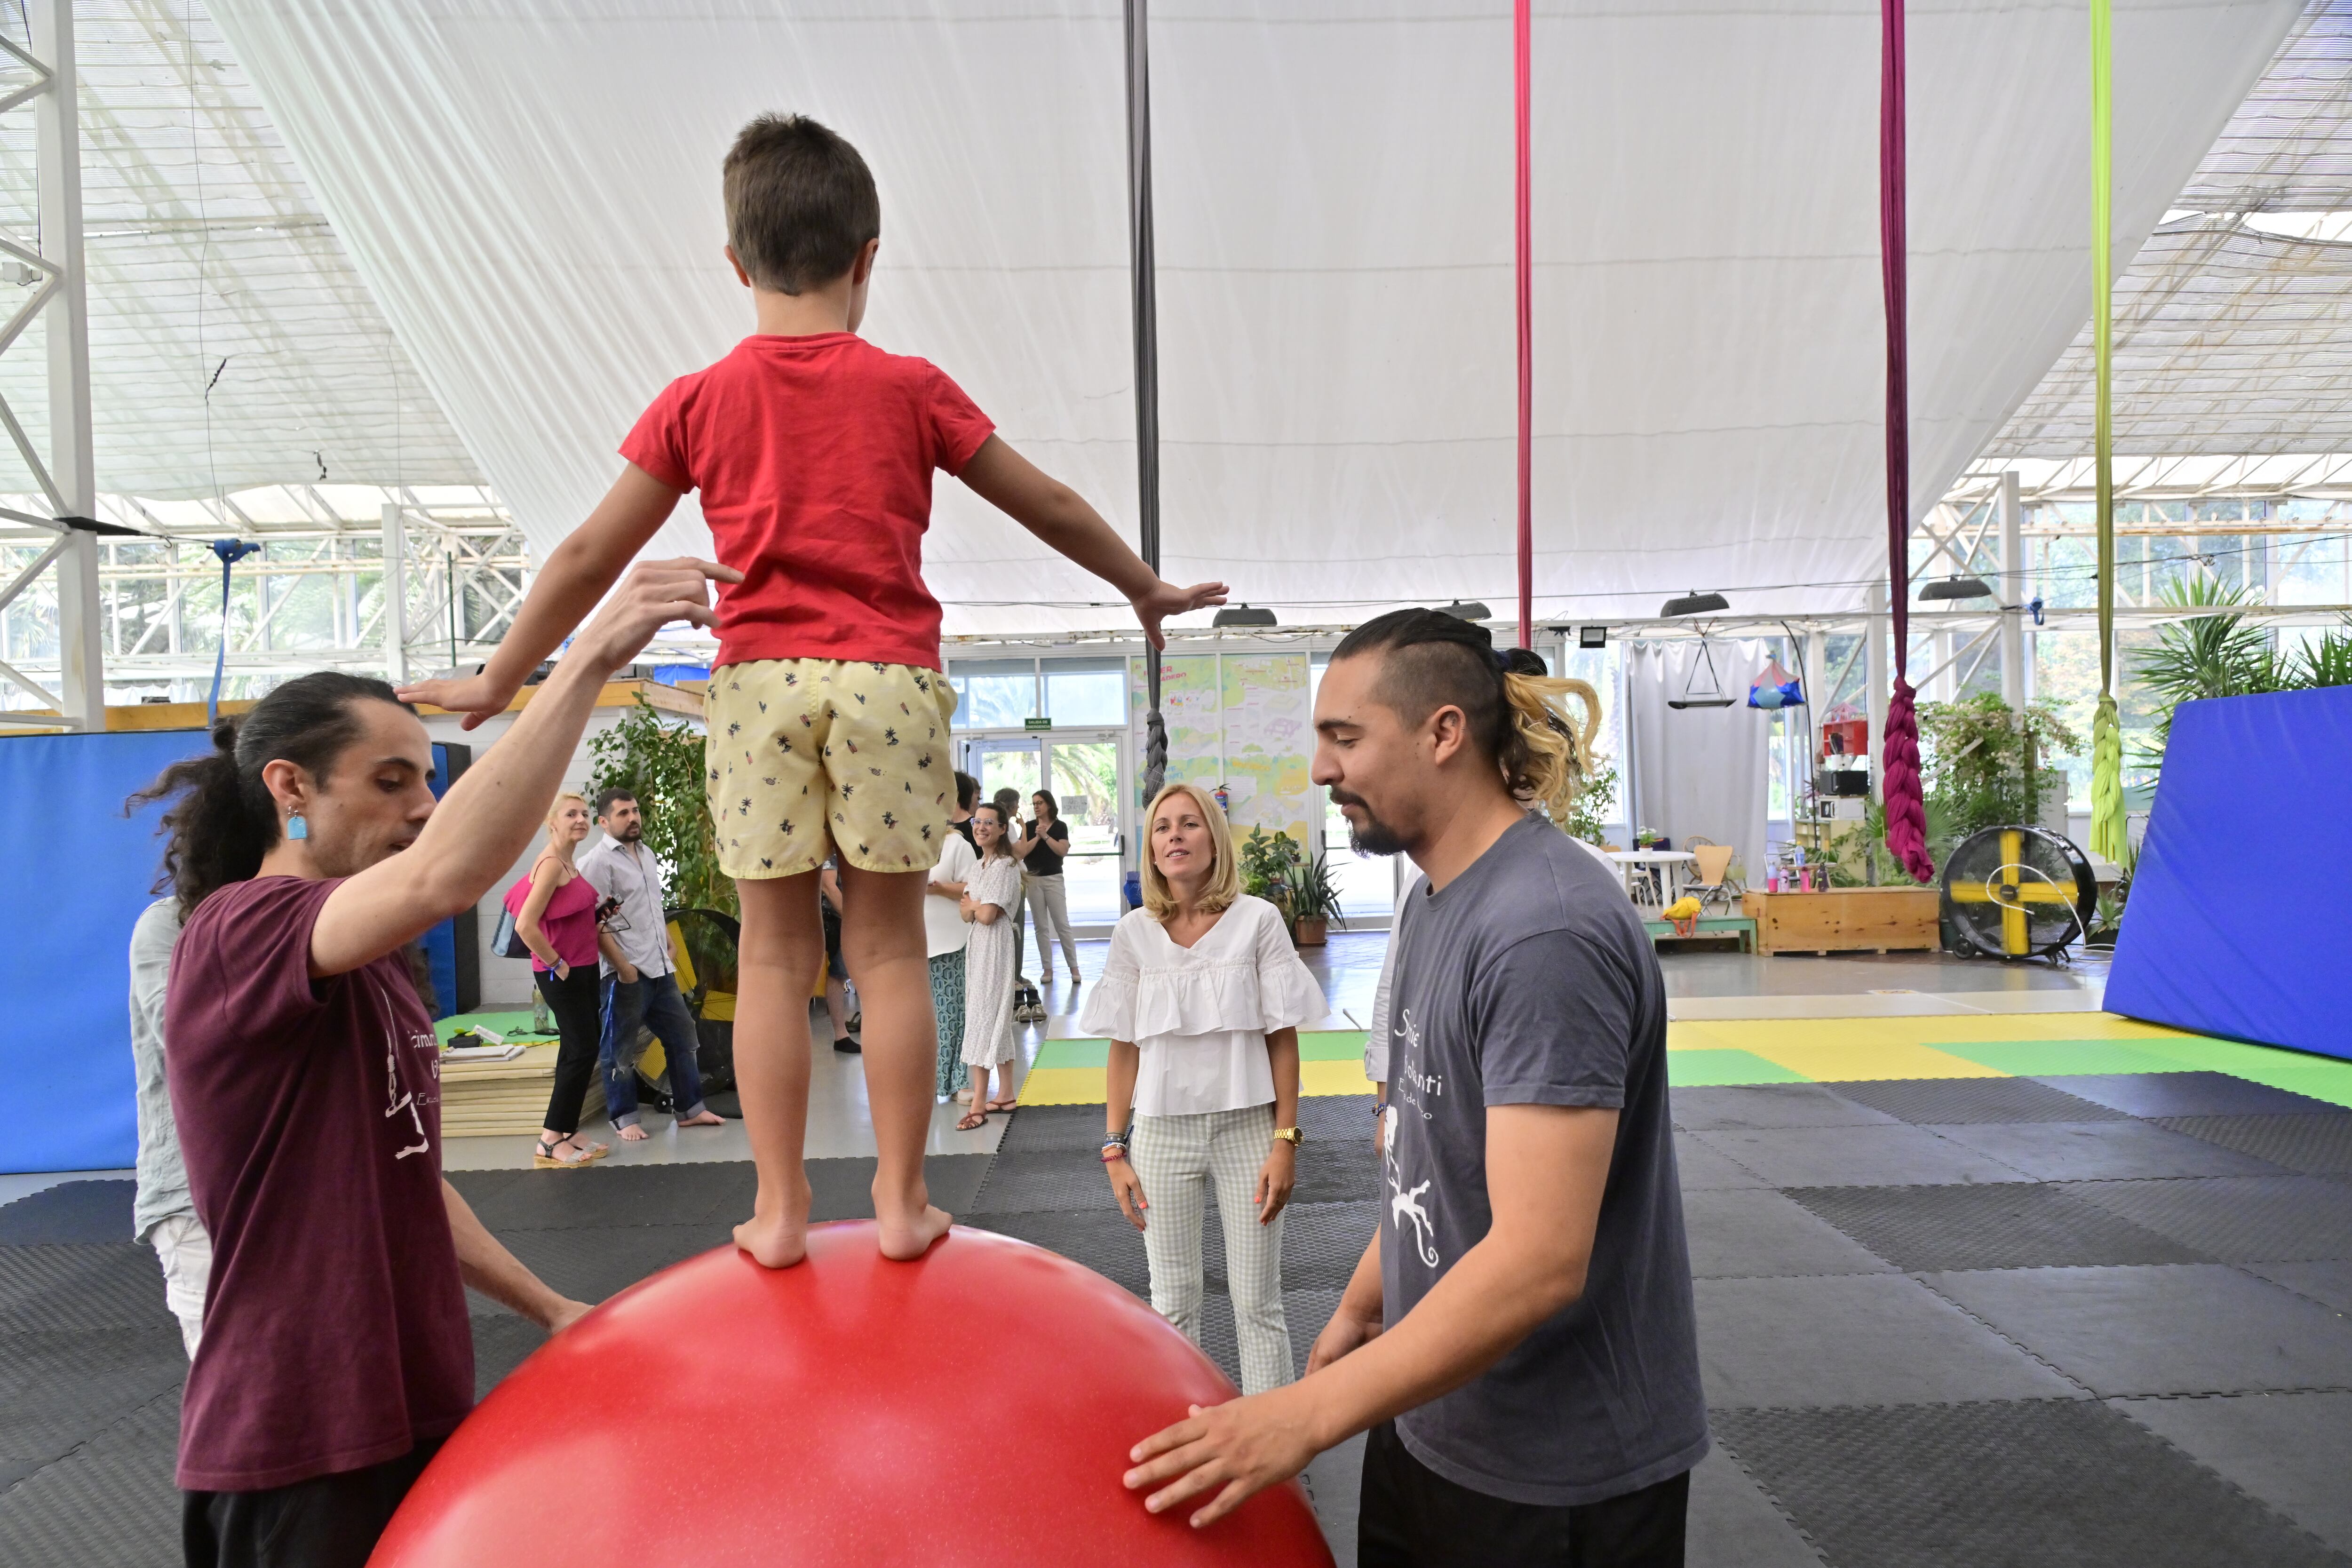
557, 920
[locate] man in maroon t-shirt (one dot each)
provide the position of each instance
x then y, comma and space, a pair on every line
309, 852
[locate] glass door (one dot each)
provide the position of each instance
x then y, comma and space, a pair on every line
1088, 784
1087, 771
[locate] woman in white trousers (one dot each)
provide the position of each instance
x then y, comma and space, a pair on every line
1201, 999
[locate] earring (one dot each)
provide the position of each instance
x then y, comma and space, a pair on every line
296, 827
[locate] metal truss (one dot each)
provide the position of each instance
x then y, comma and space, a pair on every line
315, 596
50, 268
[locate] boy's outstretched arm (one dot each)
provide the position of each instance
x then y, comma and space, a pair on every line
578, 574
1061, 517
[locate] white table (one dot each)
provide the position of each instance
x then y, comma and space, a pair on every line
1669, 862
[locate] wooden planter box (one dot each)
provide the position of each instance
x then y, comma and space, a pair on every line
1845, 920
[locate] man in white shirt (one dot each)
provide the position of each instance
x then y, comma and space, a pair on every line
640, 976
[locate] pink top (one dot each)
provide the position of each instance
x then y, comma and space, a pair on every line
569, 922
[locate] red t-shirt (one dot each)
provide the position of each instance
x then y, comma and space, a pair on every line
814, 457
309, 1115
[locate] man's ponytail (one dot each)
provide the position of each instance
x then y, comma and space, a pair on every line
1546, 755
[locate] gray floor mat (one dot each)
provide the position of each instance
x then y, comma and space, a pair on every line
1858, 1339
1751, 1233
108, 1504
2007, 1225
2312, 1144
1100, 1238
2238, 1220
81, 1285
1024, 1184
2122, 1150
59, 1389
70, 1212
2043, 1483
2181, 1329
1711, 1108
1700, 1168
2326, 1280
1958, 1100
1888, 1155
2287, 1449
1732, 1523
1049, 1129
2156, 1094
592, 1264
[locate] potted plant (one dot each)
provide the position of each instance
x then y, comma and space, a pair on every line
1314, 903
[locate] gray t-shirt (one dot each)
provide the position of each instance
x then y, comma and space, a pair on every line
162, 1189
1528, 980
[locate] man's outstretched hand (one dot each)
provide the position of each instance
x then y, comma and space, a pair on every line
1236, 1449
654, 595
477, 697
1166, 599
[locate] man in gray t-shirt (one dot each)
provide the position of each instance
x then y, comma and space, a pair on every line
1526, 980
1519, 1337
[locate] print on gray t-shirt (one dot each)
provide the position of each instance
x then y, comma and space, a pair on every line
1528, 980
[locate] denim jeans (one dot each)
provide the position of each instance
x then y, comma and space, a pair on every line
653, 1001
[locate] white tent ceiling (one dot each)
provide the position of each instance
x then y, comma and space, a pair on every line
205, 246
529, 189
2230, 341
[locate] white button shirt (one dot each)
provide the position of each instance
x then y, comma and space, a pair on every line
630, 873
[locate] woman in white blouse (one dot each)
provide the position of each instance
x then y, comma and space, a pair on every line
1201, 999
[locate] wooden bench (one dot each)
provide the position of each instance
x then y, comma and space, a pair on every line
1845, 920
1710, 927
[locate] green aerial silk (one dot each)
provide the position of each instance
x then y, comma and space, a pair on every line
2107, 733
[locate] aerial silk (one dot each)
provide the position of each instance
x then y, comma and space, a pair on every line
1147, 364
1522, 44
231, 551
2107, 733
1907, 810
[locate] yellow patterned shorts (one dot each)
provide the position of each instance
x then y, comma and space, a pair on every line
808, 757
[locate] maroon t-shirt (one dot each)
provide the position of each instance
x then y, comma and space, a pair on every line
310, 1116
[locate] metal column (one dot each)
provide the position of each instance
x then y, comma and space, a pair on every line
2014, 685
81, 686
395, 597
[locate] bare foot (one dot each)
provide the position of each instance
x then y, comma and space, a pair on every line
707, 1119
776, 1241
904, 1243
633, 1133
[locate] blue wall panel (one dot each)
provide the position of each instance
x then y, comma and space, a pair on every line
73, 880
2236, 924
74, 876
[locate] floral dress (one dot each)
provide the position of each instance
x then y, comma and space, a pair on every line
989, 964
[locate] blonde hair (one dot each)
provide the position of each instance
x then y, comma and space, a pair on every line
555, 806
1545, 755
1224, 883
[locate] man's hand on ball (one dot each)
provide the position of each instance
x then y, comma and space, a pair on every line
1166, 599
1236, 1449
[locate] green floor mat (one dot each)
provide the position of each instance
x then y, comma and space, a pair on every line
1328, 1046
1694, 1069
515, 1026
2050, 1058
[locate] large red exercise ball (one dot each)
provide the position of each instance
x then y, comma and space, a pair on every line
974, 1407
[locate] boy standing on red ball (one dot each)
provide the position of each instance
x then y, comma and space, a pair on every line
828, 711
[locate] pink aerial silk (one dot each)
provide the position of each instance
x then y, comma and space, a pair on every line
1907, 810
1522, 46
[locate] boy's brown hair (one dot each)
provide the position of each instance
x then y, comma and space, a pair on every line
800, 203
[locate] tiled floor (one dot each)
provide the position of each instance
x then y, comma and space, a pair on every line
1984, 1275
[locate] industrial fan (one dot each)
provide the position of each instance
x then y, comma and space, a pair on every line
2017, 892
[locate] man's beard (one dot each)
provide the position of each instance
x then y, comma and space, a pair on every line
632, 833
1375, 837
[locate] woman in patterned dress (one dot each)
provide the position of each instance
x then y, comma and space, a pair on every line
991, 901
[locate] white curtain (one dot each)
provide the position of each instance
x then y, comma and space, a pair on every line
530, 188
1699, 772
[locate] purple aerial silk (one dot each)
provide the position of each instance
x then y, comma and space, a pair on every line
1906, 811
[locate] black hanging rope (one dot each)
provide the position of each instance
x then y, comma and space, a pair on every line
1147, 361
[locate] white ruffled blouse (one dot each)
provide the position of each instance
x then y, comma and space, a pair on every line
1199, 1016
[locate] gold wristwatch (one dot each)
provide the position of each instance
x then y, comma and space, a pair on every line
1290, 1135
